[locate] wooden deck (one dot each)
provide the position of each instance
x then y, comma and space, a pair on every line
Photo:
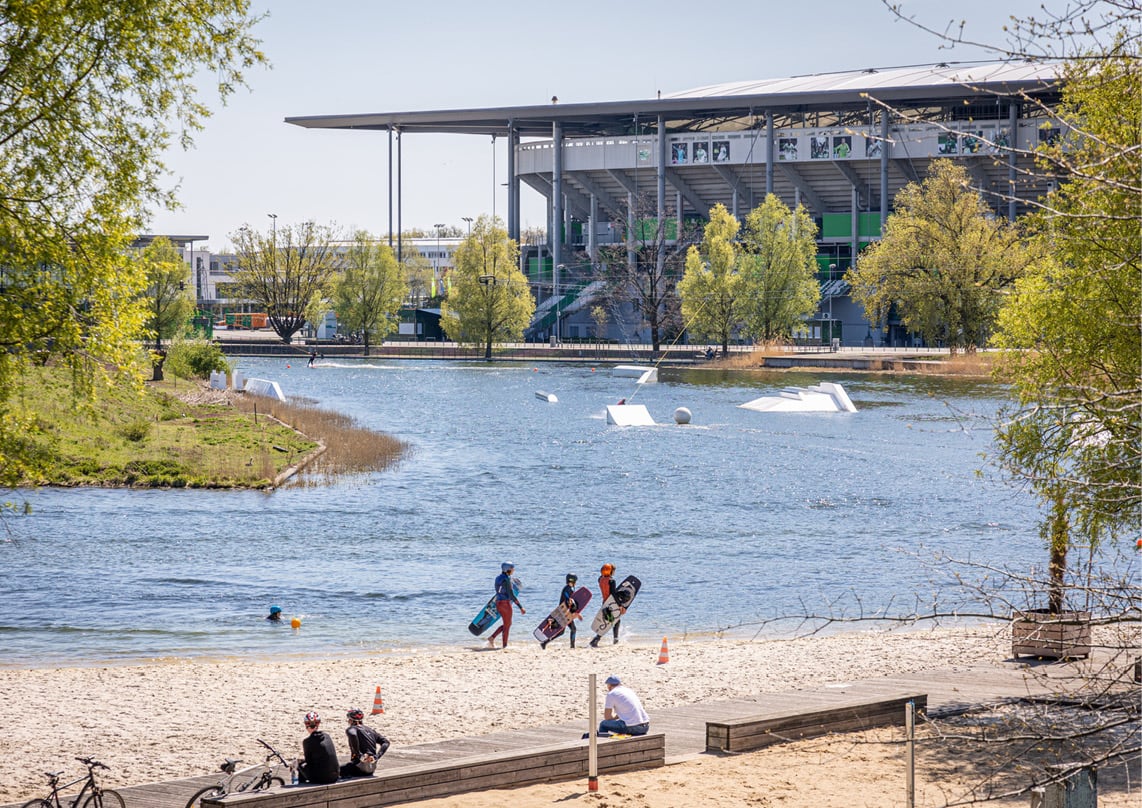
948, 691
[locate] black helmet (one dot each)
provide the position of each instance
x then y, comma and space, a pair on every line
572, 578
355, 715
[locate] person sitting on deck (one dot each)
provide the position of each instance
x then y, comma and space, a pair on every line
622, 711
320, 764
366, 746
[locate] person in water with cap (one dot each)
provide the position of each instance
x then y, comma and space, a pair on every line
567, 598
622, 711
275, 614
505, 597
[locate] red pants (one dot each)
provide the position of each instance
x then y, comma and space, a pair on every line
504, 607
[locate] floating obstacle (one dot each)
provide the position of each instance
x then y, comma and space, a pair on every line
548, 397
629, 415
644, 373
824, 397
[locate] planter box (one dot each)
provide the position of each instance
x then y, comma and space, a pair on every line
1039, 633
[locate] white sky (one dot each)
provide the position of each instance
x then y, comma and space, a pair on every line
357, 56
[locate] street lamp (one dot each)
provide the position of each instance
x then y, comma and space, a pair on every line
274, 240
468, 219
486, 281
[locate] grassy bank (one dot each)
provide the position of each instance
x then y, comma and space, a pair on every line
125, 438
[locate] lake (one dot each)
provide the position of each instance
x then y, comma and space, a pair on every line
738, 517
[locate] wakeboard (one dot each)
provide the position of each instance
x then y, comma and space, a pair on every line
612, 609
556, 623
487, 616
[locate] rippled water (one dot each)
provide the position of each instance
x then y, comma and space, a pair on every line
739, 516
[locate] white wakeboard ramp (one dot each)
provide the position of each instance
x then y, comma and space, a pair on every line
823, 397
644, 373
264, 387
629, 415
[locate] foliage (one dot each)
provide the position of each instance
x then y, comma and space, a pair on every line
489, 301
778, 268
944, 262
1072, 329
417, 271
369, 290
91, 95
195, 359
169, 305
710, 288
283, 271
646, 269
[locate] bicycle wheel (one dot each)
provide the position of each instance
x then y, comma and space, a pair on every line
104, 799
37, 804
209, 792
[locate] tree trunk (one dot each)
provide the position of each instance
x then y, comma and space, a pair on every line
1057, 566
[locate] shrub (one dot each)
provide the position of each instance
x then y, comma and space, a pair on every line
136, 431
195, 358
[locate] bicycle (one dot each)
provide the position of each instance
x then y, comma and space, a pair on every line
96, 797
263, 779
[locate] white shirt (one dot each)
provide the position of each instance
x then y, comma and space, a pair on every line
626, 705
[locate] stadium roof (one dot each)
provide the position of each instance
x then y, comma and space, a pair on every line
723, 104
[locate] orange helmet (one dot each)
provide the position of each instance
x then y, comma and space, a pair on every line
608, 569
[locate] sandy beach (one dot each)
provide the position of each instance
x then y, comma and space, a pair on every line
176, 718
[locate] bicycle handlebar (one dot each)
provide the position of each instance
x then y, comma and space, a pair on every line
273, 752
91, 763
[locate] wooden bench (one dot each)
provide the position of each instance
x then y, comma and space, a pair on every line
547, 764
757, 732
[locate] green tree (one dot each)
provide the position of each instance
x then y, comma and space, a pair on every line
91, 95
711, 286
369, 289
1072, 329
284, 271
489, 300
945, 261
778, 268
169, 304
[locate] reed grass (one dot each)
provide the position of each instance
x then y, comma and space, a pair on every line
349, 448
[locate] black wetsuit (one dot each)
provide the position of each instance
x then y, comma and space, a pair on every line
363, 741
320, 764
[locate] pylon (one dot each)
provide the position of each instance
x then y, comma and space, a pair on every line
664, 654
378, 703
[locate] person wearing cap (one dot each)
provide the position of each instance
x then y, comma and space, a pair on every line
505, 597
320, 764
622, 711
567, 598
275, 614
366, 746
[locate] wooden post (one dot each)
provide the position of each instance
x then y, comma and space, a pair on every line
593, 744
910, 775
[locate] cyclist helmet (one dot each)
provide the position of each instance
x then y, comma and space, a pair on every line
572, 578
355, 715
312, 719
275, 610
608, 569
507, 566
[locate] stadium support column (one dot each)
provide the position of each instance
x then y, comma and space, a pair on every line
630, 228
768, 153
400, 236
513, 183
883, 169
592, 227
390, 188
660, 209
1013, 136
556, 237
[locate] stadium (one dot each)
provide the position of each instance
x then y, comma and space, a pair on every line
843, 145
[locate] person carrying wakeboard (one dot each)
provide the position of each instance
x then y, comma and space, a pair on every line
567, 598
606, 587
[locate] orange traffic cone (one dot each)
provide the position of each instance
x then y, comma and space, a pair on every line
664, 654
378, 703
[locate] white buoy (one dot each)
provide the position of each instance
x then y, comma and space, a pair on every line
543, 395
682, 416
